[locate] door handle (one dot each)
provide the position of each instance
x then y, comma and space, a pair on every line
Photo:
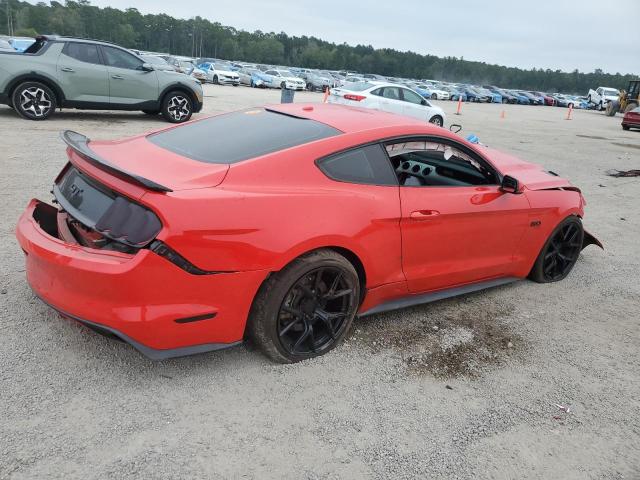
117, 77
423, 214
67, 69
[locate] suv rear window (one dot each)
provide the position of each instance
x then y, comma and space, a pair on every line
238, 136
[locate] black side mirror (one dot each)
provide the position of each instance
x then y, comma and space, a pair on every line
423, 102
510, 185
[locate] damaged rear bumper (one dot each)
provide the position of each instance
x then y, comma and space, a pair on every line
142, 298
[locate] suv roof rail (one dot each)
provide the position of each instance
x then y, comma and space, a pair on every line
62, 37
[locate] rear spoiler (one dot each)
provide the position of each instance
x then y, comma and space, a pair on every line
80, 144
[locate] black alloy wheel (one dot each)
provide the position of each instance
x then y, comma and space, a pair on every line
560, 253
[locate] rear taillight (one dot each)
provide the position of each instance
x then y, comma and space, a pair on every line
355, 98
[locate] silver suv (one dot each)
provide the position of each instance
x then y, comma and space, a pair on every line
57, 72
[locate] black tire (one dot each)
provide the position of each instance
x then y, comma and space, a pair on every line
236, 84
434, 96
625, 127
612, 108
283, 85
284, 306
151, 112
177, 107
310, 87
561, 250
437, 120
33, 101
215, 80
505, 101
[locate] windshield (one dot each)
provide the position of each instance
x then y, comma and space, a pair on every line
222, 66
608, 91
285, 73
153, 59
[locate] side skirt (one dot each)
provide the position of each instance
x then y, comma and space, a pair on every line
420, 298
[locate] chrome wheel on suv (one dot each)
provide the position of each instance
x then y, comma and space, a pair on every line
34, 100
177, 107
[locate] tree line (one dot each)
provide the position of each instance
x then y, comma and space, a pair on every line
199, 37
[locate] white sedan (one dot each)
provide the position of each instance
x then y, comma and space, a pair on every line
388, 97
283, 79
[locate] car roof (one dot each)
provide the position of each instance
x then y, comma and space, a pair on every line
345, 118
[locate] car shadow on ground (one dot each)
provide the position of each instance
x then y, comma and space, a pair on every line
91, 115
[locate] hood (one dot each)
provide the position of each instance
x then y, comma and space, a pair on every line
532, 176
229, 73
139, 158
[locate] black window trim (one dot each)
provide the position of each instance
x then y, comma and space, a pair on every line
447, 141
98, 48
417, 137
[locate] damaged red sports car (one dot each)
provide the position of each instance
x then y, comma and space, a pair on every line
283, 223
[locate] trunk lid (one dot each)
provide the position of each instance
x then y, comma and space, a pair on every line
139, 161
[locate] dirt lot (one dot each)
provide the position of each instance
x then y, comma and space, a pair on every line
463, 388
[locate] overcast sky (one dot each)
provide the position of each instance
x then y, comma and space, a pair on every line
564, 34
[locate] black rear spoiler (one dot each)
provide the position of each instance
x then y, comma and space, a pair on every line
80, 144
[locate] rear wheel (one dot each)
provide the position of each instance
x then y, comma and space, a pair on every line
33, 101
560, 252
215, 80
177, 107
306, 309
625, 127
283, 85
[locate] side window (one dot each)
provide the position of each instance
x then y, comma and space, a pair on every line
367, 165
377, 91
411, 97
271, 72
114, 57
392, 93
431, 162
599, 91
83, 52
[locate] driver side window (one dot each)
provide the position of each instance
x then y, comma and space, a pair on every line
430, 162
409, 96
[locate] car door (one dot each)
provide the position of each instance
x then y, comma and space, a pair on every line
457, 225
129, 84
412, 105
390, 100
82, 74
272, 78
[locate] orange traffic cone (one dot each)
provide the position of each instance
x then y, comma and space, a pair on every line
569, 112
458, 112
502, 114
326, 95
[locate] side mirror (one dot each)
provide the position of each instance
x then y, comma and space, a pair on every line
510, 185
423, 102
147, 67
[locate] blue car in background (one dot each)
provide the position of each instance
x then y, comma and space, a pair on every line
495, 96
520, 98
454, 93
21, 43
507, 97
475, 96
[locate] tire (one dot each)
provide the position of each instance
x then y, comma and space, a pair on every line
630, 106
505, 101
437, 120
286, 320
215, 80
33, 101
612, 108
434, 96
625, 127
177, 107
567, 238
283, 85
151, 112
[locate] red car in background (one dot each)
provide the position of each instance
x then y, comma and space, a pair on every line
631, 119
283, 223
548, 100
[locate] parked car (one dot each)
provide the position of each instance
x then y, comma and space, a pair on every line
602, 95
475, 96
388, 97
431, 92
374, 77
495, 97
58, 72
220, 73
222, 248
505, 96
252, 77
455, 94
276, 78
546, 98
564, 100
158, 63
520, 97
533, 99
631, 119
317, 81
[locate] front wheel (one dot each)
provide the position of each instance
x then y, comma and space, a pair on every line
33, 101
306, 309
560, 252
434, 96
283, 85
436, 120
215, 80
177, 107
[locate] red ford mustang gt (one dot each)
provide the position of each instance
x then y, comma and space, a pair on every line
283, 223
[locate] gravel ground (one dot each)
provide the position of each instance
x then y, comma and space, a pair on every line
459, 389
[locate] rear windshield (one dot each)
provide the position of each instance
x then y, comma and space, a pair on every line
359, 86
238, 136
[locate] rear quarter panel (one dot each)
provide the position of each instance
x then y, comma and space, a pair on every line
15, 65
